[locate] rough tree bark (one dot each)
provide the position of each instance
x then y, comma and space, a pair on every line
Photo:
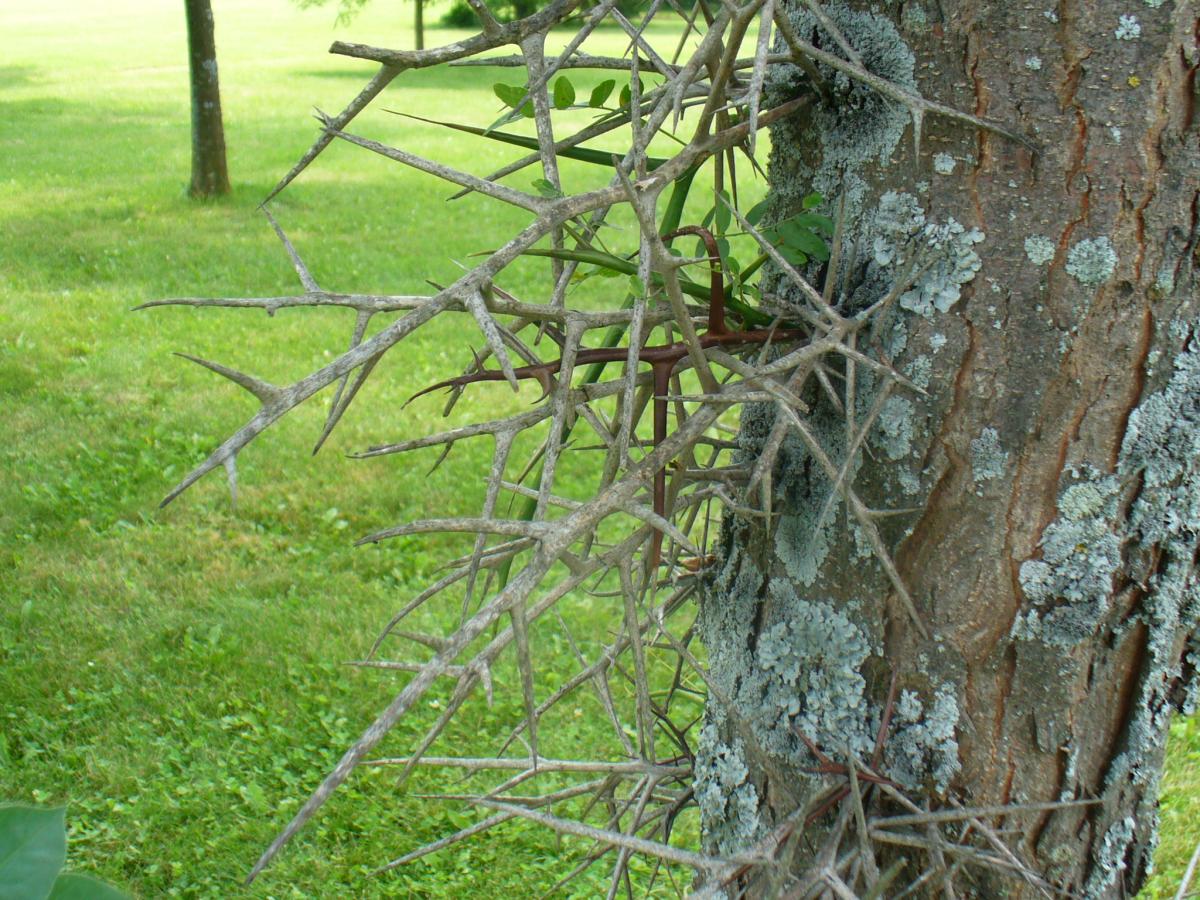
210, 175
1051, 466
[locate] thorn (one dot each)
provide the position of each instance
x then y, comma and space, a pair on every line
263, 390
441, 457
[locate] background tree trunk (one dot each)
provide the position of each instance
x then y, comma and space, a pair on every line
419, 23
210, 176
1051, 466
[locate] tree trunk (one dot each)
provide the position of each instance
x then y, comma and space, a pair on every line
209, 173
1046, 484
419, 23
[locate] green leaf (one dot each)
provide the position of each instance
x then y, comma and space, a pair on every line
546, 188
601, 93
813, 222
510, 95
615, 264
793, 256
757, 211
33, 848
636, 286
627, 93
583, 154
797, 237
811, 200
73, 886
564, 93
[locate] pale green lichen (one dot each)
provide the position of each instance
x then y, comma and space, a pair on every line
909, 482
943, 164
803, 545
1070, 586
944, 253
895, 430
1092, 261
913, 17
924, 745
810, 666
802, 542
1109, 862
1165, 280
1162, 443
1128, 28
988, 458
728, 801
855, 124
1033, 63
920, 371
1039, 249
801, 674
1162, 449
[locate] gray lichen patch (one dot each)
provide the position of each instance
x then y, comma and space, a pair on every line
728, 801
1039, 249
943, 164
1109, 862
1162, 449
803, 544
924, 746
856, 125
1069, 588
988, 458
810, 664
1092, 261
904, 242
1128, 29
920, 371
802, 540
895, 429
802, 673
1162, 443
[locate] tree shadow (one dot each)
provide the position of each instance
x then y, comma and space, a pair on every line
17, 76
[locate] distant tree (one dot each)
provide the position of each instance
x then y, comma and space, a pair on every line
348, 9
210, 174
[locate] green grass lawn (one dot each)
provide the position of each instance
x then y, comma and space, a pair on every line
175, 675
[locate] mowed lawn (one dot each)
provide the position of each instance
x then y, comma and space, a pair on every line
176, 676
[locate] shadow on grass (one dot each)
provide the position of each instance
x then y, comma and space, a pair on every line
17, 76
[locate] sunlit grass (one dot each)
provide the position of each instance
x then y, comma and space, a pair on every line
174, 675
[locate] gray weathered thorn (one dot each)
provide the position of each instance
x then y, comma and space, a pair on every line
263, 390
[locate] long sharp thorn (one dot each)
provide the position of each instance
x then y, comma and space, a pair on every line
263, 390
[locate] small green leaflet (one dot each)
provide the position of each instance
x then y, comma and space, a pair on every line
564, 93
627, 93
546, 189
601, 93
510, 95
